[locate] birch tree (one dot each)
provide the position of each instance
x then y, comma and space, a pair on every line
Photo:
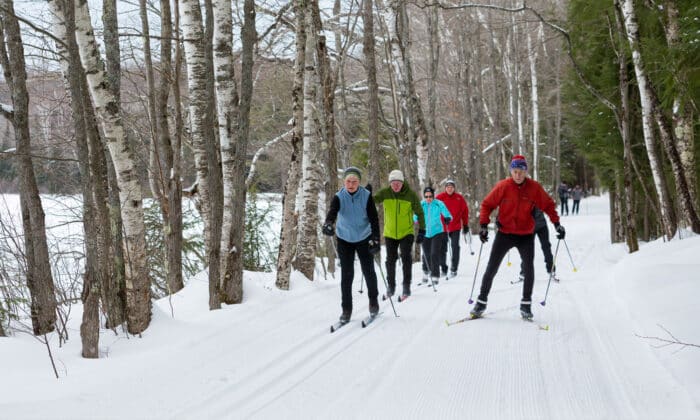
38, 269
233, 113
206, 161
108, 113
288, 234
651, 113
368, 51
311, 171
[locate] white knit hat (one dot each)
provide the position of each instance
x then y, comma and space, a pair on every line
395, 175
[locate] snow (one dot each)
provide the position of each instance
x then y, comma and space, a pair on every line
273, 356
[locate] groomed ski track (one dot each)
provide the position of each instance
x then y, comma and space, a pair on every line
274, 357
588, 365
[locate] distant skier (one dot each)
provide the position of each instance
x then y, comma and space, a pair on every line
400, 204
576, 195
515, 198
542, 233
563, 191
357, 229
457, 206
435, 212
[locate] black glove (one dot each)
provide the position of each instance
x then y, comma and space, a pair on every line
421, 236
561, 232
369, 187
448, 220
465, 230
484, 234
373, 245
328, 229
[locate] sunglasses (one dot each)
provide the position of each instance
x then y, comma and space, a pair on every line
428, 196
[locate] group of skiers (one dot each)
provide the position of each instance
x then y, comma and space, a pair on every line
440, 219
565, 192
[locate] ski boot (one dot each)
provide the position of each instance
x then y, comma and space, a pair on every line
525, 311
345, 316
373, 307
478, 309
436, 280
451, 275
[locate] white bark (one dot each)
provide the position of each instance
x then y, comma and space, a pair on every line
632, 29
311, 171
532, 54
108, 114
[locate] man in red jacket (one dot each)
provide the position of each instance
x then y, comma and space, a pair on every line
515, 198
457, 206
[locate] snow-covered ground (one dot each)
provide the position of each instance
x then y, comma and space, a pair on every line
274, 358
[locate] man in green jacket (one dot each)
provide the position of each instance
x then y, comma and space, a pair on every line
400, 203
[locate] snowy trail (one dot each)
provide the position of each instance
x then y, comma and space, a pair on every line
273, 357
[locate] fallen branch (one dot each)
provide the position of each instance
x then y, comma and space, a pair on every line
668, 342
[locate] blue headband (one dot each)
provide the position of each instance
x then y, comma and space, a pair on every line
518, 164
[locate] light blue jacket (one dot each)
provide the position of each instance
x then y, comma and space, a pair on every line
432, 212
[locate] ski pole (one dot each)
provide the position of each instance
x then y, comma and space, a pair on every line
476, 270
571, 259
386, 285
551, 273
425, 260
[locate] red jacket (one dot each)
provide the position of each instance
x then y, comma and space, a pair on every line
515, 203
457, 207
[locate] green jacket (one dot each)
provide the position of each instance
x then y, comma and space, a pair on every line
398, 211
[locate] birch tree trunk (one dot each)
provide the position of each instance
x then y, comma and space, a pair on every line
651, 108
114, 291
630, 219
95, 211
169, 158
288, 234
138, 296
234, 123
368, 50
534, 99
328, 148
434, 34
683, 115
311, 171
206, 161
39, 278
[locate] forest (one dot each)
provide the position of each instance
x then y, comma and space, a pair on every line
158, 119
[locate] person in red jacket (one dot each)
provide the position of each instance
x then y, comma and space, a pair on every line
515, 198
457, 206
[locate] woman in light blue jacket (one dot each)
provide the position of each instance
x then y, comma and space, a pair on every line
436, 217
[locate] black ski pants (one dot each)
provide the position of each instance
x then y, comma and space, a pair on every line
451, 241
574, 207
564, 205
346, 255
433, 251
393, 246
543, 236
501, 245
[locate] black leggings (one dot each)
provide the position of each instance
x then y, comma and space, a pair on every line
501, 245
346, 254
433, 250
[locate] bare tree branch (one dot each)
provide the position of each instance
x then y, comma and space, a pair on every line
668, 342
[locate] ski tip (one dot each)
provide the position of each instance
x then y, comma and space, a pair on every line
364, 324
332, 329
544, 327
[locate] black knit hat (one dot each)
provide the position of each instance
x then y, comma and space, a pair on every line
429, 189
351, 170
